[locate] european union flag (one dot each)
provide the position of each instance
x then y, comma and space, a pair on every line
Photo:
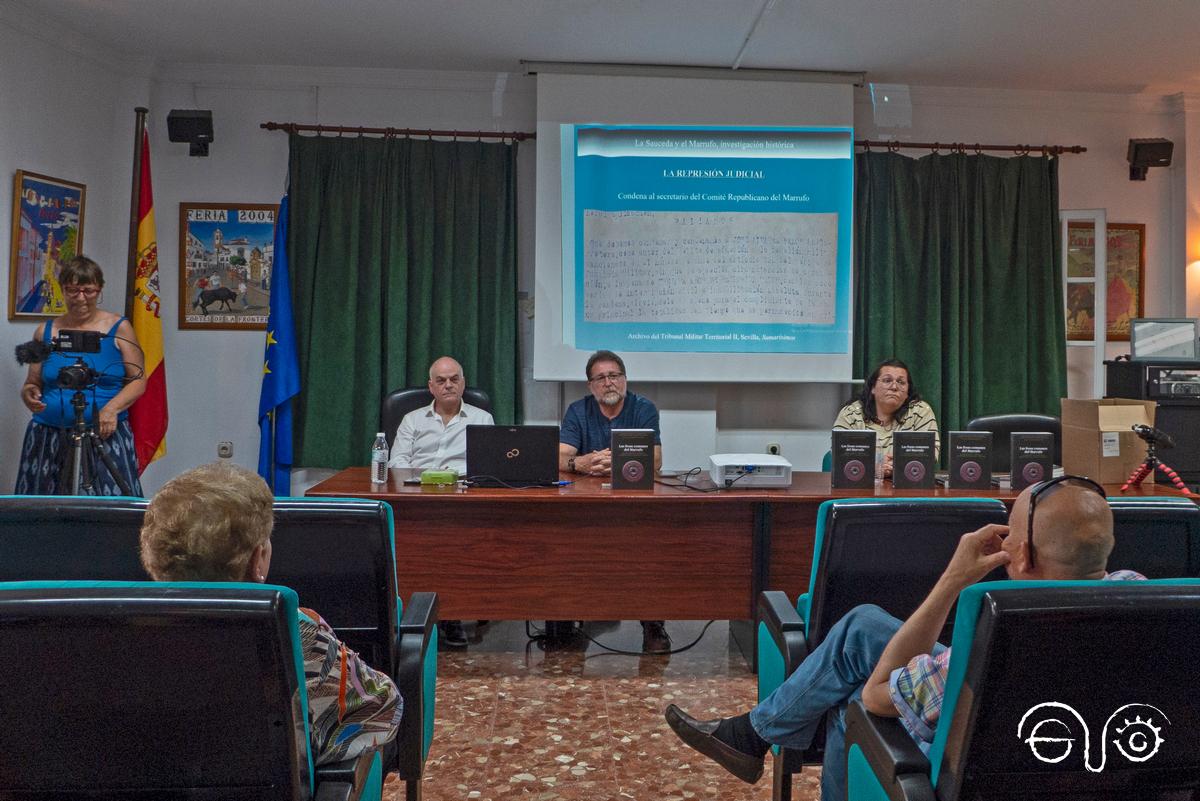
281, 371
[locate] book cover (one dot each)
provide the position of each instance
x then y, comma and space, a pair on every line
1032, 457
632, 458
913, 463
971, 460
853, 460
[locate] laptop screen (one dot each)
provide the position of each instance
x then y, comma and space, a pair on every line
512, 455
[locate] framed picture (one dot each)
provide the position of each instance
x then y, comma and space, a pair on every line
47, 232
1124, 277
226, 251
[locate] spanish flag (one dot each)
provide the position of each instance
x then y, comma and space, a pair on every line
148, 415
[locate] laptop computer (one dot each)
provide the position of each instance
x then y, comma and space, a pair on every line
512, 456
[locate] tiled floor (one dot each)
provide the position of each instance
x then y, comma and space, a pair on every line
515, 721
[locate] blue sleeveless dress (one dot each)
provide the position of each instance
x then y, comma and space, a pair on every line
47, 438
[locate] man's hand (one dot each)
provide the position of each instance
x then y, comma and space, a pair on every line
597, 463
978, 553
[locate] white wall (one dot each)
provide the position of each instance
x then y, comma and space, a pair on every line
66, 110
76, 122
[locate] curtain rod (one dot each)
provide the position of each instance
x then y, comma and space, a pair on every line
295, 127
963, 147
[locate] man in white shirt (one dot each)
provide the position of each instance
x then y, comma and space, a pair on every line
435, 436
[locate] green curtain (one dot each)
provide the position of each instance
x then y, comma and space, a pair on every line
401, 250
958, 273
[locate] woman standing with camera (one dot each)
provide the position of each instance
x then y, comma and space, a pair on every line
116, 380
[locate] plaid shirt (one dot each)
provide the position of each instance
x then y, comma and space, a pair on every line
917, 689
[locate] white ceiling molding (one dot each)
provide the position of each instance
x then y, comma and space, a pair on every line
683, 71
968, 97
249, 76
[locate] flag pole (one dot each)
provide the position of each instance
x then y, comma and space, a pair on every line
139, 130
271, 431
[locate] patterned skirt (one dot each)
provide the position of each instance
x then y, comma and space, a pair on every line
47, 448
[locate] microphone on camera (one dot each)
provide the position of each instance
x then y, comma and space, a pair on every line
32, 352
1152, 434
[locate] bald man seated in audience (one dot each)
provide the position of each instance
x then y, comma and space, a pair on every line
899, 669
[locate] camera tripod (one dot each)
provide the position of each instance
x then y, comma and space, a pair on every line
84, 450
1147, 468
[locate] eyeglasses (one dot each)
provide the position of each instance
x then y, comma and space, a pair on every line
888, 381
606, 377
76, 291
1043, 488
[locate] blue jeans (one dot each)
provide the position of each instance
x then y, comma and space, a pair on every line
832, 676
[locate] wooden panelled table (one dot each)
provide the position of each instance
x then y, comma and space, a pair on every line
584, 552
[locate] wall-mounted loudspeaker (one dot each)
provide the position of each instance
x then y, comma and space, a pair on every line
1146, 153
193, 126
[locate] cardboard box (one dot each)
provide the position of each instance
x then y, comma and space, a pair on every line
1098, 440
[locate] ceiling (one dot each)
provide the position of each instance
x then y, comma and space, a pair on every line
1077, 45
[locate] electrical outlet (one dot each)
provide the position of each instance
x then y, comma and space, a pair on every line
225, 450
774, 449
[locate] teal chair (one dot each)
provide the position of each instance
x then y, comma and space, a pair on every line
1064, 690
337, 554
882, 551
1158, 537
827, 462
123, 690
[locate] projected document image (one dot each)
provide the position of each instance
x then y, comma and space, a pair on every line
709, 267
707, 239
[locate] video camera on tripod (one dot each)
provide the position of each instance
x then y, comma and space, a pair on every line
85, 446
78, 375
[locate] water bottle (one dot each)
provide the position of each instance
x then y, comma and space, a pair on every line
379, 460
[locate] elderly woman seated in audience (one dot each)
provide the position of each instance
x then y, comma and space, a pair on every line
213, 523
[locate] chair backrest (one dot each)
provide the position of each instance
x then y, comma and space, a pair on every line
1003, 425
338, 555
400, 402
70, 538
173, 690
1072, 690
886, 551
1157, 537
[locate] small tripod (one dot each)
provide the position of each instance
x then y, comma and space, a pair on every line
1147, 467
84, 449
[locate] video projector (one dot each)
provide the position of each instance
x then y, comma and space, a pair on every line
750, 470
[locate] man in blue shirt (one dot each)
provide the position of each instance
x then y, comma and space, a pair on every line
585, 434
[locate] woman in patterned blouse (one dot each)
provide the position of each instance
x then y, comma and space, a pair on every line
889, 402
213, 523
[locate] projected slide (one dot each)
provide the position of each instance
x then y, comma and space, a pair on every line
707, 239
